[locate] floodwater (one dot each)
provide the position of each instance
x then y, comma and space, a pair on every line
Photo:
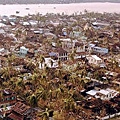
26, 9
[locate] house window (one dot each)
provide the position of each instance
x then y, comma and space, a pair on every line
13, 98
59, 54
7, 98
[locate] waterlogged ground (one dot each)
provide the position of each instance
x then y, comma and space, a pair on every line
58, 8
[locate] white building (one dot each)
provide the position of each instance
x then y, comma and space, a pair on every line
94, 59
71, 45
67, 43
25, 23
33, 23
79, 47
23, 50
100, 50
2, 25
60, 54
96, 49
103, 94
49, 62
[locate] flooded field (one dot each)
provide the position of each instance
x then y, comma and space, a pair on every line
22, 10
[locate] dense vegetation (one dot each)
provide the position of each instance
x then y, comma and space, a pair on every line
56, 91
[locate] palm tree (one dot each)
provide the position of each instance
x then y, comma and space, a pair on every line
59, 73
50, 94
59, 44
10, 59
30, 65
69, 104
5, 73
72, 56
46, 114
18, 34
46, 69
42, 60
58, 92
38, 18
59, 115
20, 83
35, 78
83, 83
59, 63
33, 101
51, 63
12, 82
41, 93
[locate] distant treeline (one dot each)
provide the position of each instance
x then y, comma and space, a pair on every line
52, 1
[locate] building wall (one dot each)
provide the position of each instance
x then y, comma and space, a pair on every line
23, 50
80, 49
7, 100
67, 45
62, 56
94, 61
100, 50
48, 63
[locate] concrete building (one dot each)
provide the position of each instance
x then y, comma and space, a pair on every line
94, 59
100, 50
23, 51
7, 98
103, 94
